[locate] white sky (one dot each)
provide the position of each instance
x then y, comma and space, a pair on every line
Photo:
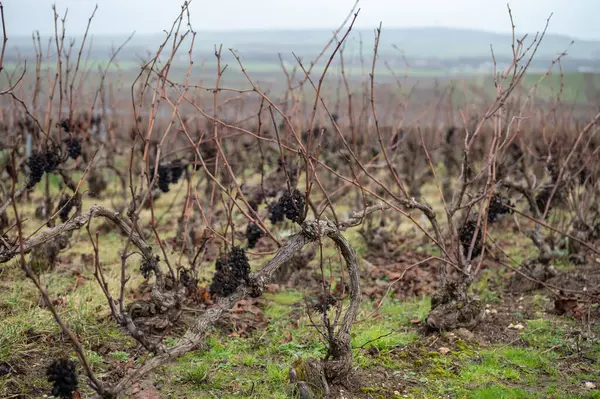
576, 18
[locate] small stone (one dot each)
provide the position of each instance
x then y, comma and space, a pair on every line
518, 326
465, 334
493, 311
396, 393
590, 385
443, 350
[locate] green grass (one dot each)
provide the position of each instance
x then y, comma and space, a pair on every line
540, 365
548, 87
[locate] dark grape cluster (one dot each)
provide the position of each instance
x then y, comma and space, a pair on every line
26, 125
96, 120
65, 205
148, 266
164, 178
276, 212
61, 373
52, 159
325, 302
186, 277
96, 183
253, 233
73, 147
541, 199
465, 235
208, 150
253, 204
177, 169
515, 150
36, 163
42, 161
585, 177
231, 271
292, 205
498, 207
169, 173
65, 125
553, 169
450, 134
311, 135
317, 131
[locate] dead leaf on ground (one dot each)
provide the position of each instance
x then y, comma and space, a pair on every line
443, 350
148, 393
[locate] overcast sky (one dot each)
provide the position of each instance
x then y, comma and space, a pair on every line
576, 18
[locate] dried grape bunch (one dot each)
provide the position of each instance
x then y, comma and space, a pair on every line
61, 373
52, 158
542, 198
276, 212
164, 178
65, 125
465, 235
293, 205
169, 173
186, 277
498, 207
148, 266
325, 302
586, 177
42, 161
515, 150
232, 271
65, 205
553, 169
253, 204
73, 147
450, 134
317, 131
96, 120
177, 168
36, 163
253, 234
97, 183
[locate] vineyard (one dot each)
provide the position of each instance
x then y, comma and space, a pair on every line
163, 235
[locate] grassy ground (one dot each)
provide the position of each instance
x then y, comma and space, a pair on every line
545, 356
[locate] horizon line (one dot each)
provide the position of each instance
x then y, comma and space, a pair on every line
315, 29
